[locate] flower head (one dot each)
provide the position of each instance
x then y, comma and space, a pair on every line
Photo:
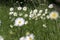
30, 37
1, 38
50, 6
24, 8
19, 8
54, 15
11, 9
19, 22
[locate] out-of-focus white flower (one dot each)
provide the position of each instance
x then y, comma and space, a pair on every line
11, 9
35, 11
15, 14
31, 15
1, 38
44, 25
19, 22
50, 6
11, 26
43, 14
46, 10
26, 22
20, 14
19, 8
38, 14
41, 17
40, 11
25, 8
26, 15
30, 37
22, 38
11, 13
47, 17
54, 15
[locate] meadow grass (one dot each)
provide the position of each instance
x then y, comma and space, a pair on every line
51, 32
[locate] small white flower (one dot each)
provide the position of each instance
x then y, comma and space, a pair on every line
38, 14
22, 38
26, 22
11, 9
50, 6
35, 11
25, 8
43, 14
10, 13
11, 26
15, 14
26, 15
19, 22
44, 25
46, 10
31, 15
41, 17
54, 15
47, 17
30, 37
20, 14
40, 11
19, 8
1, 38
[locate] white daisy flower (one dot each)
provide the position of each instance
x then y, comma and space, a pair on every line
43, 14
11, 9
1, 38
54, 15
11, 13
11, 26
19, 8
44, 25
47, 17
22, 38
26, 15
35, 11
40, 11
26, 22
50, 6
15, 14
31, 15
30, 37
41, 17
38, 14
19, 22
25, 8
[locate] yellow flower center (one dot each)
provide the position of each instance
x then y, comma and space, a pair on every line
54, 15
19, 22
30, 38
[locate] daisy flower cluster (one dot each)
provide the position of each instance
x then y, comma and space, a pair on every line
27, 37
18, 20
